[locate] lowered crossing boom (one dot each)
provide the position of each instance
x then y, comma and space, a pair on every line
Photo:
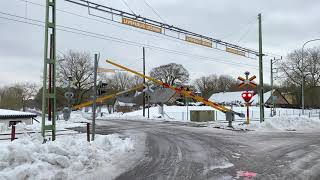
182, 91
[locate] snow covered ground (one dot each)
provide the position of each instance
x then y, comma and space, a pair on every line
284, 123
285, 119
70, 156
77, 119
182, 113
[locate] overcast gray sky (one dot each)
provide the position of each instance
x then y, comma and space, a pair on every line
287, 24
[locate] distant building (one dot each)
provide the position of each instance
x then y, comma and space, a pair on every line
9, 115
234, 98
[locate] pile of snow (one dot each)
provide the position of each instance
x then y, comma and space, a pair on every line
70, 157
284, 123
78, 117
291, 123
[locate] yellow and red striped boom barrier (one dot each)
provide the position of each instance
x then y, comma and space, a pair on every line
180, 90
106, 97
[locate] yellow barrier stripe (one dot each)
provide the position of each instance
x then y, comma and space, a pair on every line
186, 93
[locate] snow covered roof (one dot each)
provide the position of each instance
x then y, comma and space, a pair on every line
6, 114
125, 104
229, 97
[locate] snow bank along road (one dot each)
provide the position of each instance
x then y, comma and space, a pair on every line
177, 151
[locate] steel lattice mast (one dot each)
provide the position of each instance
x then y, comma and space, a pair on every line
49, 71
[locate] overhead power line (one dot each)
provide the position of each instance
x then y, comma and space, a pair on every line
165, 29
112, 23
154, 11
242, 27
126, 4
174, 39
246, 32
104, 37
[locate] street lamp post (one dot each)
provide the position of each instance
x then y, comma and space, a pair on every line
302, 69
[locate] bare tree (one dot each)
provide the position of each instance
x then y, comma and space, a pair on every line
206, 85
136, 80
313, 67
172, 74
17, 96
293, 72
28, 92
11, 98
226, 82
79, 67
212, 83
119, 81
292, 69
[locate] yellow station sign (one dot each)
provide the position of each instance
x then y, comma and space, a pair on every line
235, 51
141, 25
199, 41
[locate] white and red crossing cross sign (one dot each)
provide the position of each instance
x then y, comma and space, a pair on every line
247, 81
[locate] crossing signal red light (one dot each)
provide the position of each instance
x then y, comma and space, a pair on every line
247, 96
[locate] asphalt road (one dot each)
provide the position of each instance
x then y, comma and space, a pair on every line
178, 151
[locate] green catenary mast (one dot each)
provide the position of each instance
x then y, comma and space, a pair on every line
49, 71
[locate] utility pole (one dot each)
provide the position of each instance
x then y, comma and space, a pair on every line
148, 106
49, 71
272, 98
272, 61
144, 82
261, 89
94, 106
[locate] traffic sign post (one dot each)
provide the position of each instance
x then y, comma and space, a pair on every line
247, 96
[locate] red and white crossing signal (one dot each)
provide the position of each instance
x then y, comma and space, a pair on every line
247, 81
247, 96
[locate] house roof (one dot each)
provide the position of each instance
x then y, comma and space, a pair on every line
10, 114
229, 97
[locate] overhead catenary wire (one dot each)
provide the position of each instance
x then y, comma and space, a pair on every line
102, 36
174, 39
165, 29
154, 11
171, 38
234, 33
246, 32
126, 4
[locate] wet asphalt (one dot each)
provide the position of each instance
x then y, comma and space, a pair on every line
183, 151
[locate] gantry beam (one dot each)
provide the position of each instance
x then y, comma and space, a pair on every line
140, 22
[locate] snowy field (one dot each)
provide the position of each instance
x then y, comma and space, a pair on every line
182, 113
285, 119
70, 156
